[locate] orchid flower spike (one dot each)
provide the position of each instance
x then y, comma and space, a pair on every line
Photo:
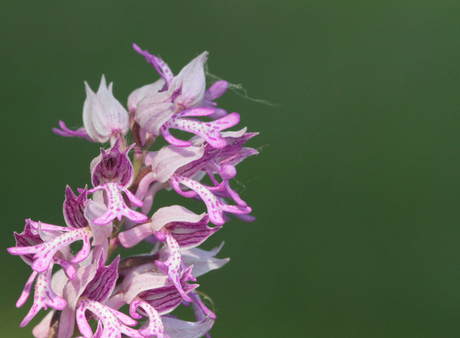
81, 285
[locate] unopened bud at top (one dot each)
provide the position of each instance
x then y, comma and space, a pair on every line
104, 117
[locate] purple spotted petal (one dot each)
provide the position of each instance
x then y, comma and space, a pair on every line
161, 67
227, 172
26, 291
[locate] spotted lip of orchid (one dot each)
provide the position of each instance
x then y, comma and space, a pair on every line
88, 287
113, 173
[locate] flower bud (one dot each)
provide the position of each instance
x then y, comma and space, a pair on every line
104, 117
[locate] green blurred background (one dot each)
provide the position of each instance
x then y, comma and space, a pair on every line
356, 189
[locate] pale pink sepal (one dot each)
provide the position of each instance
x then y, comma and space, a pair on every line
101, 233
163, 297
203, 261
177, 328
170, 158
58, 281
216, 90
140, 93
174, 213
73, 209
163, 216
66, 323
153, 189
138, 282
42, 329
154, 110
85, 274
193, 80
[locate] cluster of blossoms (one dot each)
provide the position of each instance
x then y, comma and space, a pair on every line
90, 287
